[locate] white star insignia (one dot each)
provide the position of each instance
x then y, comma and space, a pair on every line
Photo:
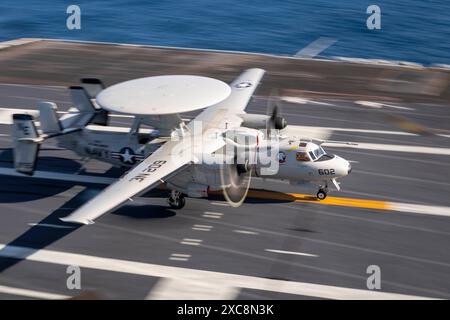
127, 156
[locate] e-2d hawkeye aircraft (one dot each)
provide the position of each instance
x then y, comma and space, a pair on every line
172, 152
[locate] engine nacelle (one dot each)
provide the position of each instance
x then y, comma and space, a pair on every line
261, 121
244, 137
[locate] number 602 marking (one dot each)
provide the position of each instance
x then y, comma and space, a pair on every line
326, 172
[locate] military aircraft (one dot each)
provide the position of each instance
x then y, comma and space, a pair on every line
218, 150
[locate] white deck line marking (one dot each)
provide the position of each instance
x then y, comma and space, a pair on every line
200, 229
181, 255
59, 176
299, 100
190, 243
378, 105
34, 86
178, 259
398, 107
32, 293
400, 133
392, 147
219, 280
209, 216
246, 232
187, 289
202, 226
213, 213
292, 253
420, 209
315, 48
49, 225
220, 204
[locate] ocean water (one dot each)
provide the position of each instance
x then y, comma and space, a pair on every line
411, 30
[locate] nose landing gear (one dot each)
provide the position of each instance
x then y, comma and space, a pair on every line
176, 200
322, 193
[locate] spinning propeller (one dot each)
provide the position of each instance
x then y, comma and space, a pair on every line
276, 121
236, 177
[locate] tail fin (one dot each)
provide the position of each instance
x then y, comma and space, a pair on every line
89, 113
81, 100
26, 143
92, 87
49, 120
85, 111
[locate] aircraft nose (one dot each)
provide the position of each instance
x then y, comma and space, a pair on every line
346, 167
343, 167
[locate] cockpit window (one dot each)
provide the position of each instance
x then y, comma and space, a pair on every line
302, 156
317, 153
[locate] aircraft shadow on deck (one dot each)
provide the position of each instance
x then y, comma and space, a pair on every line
48, 230
145, 212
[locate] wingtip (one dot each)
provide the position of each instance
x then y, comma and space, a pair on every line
71, 220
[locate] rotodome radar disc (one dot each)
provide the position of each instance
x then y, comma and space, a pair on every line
163, 95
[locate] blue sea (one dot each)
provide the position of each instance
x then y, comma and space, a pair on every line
414, 30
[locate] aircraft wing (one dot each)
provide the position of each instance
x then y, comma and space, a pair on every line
167, 161
242, 89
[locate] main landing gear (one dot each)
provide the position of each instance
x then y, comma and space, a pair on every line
322, 193
176, 200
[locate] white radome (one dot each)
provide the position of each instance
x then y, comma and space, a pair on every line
163, 95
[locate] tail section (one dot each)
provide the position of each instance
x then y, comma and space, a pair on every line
86, 110
50, 124
26, 143
27, 139
93, 87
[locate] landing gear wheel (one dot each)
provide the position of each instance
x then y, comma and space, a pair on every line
321, 194
176, 200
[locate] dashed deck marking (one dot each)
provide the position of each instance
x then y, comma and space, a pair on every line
292, 253
246, 232
191, 242
179, 257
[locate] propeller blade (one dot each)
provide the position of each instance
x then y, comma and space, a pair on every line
235, 183
274, 111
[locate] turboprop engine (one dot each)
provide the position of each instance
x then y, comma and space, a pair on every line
261, 121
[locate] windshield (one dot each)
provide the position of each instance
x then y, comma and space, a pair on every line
318, 153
